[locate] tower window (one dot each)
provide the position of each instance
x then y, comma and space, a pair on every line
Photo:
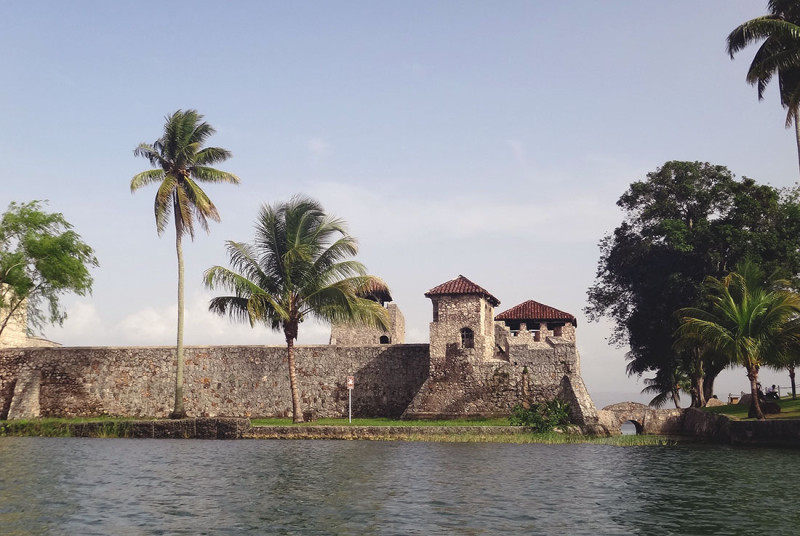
467, 338
384, 339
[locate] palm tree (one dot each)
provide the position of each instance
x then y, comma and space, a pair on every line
666, 386
298, 267
181, 162
779, 54
751, 319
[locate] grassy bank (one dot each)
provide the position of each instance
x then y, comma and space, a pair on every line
494, 421
51, 427
463, 431
790, 409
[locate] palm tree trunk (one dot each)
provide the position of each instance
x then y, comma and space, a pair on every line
297, 412
791, 378
178, 411
755, 403
797, 132
676, 397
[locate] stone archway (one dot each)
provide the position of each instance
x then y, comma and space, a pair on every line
636, 425
646, 419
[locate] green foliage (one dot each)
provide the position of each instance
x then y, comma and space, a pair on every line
751, 318
686, 221
181, 162
541, 417
41, 258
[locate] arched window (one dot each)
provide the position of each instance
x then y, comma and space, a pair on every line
467, 338
384, 339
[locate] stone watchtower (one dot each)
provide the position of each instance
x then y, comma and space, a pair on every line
463, 322
354, 335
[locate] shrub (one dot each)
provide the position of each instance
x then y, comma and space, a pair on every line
541, 417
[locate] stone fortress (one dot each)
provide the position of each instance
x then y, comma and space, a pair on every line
477, 364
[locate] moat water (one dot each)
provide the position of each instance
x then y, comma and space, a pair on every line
143, 487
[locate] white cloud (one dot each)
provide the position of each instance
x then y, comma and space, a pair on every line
319, 148
156, 326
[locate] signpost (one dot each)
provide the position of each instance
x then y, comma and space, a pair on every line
350, 384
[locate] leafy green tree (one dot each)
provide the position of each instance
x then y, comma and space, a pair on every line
753, 319
299, 266
181, 162
779, 54
686, 221
41, 258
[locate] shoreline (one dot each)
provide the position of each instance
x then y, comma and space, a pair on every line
241, 428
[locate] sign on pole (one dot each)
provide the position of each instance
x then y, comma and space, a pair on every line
351, 381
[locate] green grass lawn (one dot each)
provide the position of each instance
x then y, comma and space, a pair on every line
790, 409
494, 421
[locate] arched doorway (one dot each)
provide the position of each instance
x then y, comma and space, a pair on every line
631, 427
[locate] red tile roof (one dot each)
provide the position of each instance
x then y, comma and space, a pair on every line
533, 310
462, 285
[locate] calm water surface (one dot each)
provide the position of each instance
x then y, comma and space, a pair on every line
121, 487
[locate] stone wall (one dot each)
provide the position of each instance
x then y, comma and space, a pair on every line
230, 381
722, 429
459, 386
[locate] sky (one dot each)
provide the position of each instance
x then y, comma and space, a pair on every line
489, 139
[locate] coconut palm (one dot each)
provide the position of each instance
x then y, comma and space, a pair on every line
666, 386
299, 266
181, 162
779, 54
751, 319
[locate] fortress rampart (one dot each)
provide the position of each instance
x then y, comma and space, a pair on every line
476, 364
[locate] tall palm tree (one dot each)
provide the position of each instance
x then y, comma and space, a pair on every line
181, 162
779, 54
751, 319
298, 267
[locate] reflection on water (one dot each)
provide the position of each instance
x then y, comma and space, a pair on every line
110, 486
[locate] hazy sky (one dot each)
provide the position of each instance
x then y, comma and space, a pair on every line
489, 139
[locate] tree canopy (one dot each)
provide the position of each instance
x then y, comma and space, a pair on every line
684, 222
41, 258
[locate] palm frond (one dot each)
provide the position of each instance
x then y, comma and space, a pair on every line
211, 155
146, 177
164, 203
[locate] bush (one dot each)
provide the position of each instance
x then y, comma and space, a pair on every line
542, 417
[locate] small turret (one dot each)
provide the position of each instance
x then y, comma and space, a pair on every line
463, 321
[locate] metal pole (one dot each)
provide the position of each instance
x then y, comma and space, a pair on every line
350, 405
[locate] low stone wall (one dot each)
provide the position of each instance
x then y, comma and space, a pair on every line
721, 429
231, 381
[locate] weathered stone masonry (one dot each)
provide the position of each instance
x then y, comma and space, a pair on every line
474, 365
231, 381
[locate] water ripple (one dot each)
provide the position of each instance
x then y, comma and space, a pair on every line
153, 487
